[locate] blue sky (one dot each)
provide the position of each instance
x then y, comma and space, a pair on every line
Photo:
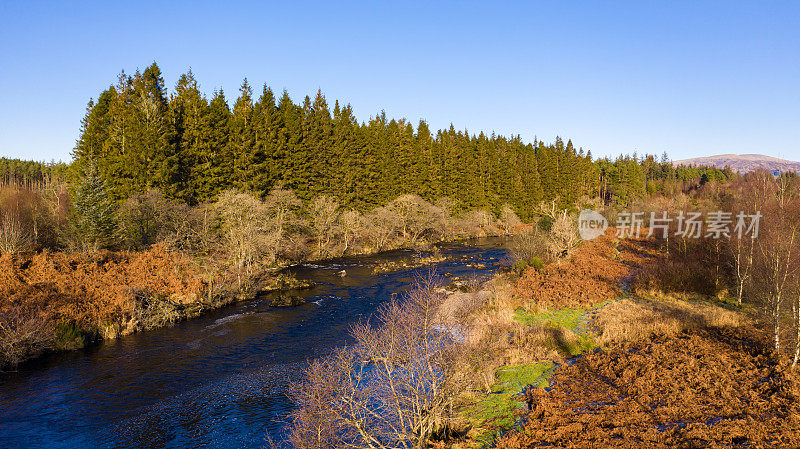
689, 78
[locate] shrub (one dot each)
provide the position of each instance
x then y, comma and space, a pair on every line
31, 219
563, 237
148, 218
529, 246
69, 336
23, 333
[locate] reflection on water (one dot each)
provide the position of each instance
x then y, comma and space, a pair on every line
216, 381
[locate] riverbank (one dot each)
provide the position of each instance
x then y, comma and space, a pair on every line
578, 353
57, 301
221, 379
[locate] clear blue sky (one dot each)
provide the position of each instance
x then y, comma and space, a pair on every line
690, 78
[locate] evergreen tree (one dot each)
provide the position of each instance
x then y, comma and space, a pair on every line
135, 137
262, 168
241, 137
95, 211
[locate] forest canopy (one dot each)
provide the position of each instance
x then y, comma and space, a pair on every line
139, 136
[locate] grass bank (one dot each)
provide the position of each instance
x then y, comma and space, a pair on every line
544, 330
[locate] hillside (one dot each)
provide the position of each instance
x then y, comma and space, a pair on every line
744, 162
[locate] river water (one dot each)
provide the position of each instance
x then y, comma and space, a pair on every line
216, 381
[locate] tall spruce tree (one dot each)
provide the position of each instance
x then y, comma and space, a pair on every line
95, 211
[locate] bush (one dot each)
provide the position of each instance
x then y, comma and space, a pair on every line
23, 334
529, 246
148, 218
32, 219
563, 237
69, 336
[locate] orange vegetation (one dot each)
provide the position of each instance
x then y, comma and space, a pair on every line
714, 388
673, 372
592, 275
105, 294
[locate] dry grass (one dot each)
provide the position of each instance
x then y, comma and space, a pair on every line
637, 319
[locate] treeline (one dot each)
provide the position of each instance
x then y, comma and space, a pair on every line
30, 174
191, 148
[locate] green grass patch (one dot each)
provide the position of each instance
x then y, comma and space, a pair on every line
512, 379
557, 318
585, 343
496, 411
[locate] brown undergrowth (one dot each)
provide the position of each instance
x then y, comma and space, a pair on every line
675, 370
62, 300
707, 388
593, 274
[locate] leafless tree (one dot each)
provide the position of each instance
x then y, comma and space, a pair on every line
250, 229
324, 212
382, 225
446, 206
283, 206
778, 252
509, 219
394, 388
350, 223
417, 216
751, 197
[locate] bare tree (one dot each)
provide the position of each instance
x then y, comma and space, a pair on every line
752, 195
350, 223
446, 206
549, 209
382, 225
324, 212
417, 216
251, 230
283, 205
776, 265
394, 388
509, 219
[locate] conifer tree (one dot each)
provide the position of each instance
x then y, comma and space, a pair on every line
95, 211
192, 149
213, 170
262, 168
188, 109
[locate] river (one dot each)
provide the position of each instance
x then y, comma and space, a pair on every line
215, 381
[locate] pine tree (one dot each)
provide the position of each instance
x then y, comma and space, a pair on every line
187, 109
95, 211
262, 168
241, 136
137, 137
214, 167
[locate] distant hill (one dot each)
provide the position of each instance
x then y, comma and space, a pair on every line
745, 162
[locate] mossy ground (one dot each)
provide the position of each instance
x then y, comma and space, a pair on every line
498, 411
